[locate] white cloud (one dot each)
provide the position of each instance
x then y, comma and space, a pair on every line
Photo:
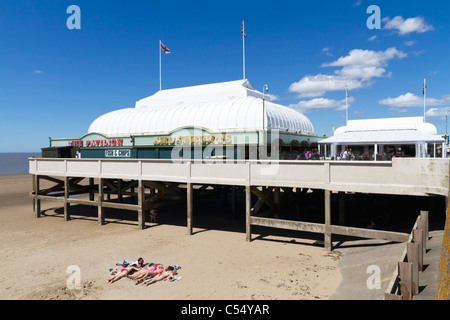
416, 24
411, 100
306, 106
38, 71
372, 38
318, 85
436, 112
272, 97
327, 52
409, 43
358, 69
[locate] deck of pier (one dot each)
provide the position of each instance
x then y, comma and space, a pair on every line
150, 180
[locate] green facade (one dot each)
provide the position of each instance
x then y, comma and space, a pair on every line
183, 143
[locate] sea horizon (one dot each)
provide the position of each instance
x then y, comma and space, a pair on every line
15, 162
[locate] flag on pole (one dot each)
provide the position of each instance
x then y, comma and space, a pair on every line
346, 88
164, 48
243, 30
424, 86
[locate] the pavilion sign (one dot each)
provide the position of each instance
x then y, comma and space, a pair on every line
97, 143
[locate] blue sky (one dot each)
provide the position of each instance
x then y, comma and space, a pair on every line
55, 81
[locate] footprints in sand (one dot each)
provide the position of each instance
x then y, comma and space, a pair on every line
295, 283
60, 292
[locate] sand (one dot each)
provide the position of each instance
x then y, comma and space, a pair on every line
217, 263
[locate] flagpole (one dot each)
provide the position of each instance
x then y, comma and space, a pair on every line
424, 96
243, 47
346, 105
159, 47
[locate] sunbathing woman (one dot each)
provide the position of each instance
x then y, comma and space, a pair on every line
150, 271
161, 276
126, 271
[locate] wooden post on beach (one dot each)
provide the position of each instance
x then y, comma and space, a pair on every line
327, 233
248, 210
190, 202
66, 197
412, 253
101, 211
141, 209
405, 270
418, 238
36, 194
424, 217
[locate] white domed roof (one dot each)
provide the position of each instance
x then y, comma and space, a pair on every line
218, 107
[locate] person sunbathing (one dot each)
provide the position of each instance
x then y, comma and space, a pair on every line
123, 273
161, 276
128, 270
150, 271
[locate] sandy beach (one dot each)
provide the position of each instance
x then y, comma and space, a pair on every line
217, 263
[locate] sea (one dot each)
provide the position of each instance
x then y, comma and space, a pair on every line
16, 162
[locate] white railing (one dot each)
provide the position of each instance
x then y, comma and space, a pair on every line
404, 176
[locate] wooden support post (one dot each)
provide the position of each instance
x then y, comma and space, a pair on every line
190, 203
276, 200
119, 190
424, 216
37, 200
91, 189
405, 270
66, 196
248, 210
341, 208
34, 193
141, 208
418, 238
233, 201
101, 210
327, 233
412, 253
